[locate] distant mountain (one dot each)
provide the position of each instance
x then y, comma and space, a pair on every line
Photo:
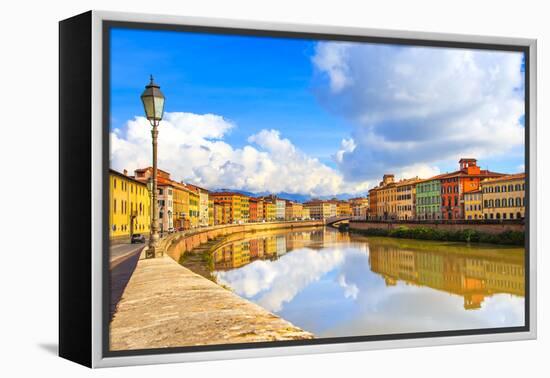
296, 197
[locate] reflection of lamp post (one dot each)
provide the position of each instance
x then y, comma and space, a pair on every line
153, 103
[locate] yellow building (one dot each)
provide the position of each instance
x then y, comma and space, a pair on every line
194, 199
359, 206
504, 197
237, 209
343, 209
319, 209
222, 213
305, 213
129, 206
270, 211
473, 205
383, 199
181, 206
210, 211
293, 210
245, 209
405, 191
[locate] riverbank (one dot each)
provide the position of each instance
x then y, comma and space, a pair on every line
166, 305
467, 235
175, 245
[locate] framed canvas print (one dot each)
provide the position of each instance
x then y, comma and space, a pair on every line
232, 189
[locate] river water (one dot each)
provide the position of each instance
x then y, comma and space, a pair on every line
335, 284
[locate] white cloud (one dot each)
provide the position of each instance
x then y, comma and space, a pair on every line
278, 282
415, 107
192, 148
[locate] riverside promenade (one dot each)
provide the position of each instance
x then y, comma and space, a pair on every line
167, 305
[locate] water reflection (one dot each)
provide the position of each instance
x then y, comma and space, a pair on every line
334, 284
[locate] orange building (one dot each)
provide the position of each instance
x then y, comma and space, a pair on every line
256, 209
455, 184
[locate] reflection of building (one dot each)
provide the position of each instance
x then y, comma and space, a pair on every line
472, 277
256, 249
270, 246
232, 256
281, 244
504, 197
129, 206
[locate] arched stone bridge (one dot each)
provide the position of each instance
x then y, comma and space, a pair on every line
335, 221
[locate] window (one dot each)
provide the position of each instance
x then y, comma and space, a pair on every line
497, 202
503, 189
510, 202
114, 206
114, 185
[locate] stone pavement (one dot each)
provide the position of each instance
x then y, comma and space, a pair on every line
167, 305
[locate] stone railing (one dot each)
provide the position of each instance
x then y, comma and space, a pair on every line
176, 244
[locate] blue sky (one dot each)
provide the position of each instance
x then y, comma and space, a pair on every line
312, 117
254, 82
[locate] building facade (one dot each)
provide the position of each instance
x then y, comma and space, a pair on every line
359, 206
129, 206
343, 208
202, 220
166, 207
454, 185
405, 195
473, 205
504, 197
383, 199
181, 207
270, 210
293, 210
235, 204
428, 199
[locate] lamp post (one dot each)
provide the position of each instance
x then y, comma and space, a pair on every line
153, 103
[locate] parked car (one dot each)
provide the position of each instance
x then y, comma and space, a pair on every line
138, 238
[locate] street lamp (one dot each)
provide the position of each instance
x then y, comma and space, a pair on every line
153, 103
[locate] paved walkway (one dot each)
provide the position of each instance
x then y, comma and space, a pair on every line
167, 305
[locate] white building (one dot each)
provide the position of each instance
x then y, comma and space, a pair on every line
166, 208
203, 205
280, 206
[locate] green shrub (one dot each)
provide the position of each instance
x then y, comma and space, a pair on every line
467, 236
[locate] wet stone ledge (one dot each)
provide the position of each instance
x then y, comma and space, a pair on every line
166, 305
